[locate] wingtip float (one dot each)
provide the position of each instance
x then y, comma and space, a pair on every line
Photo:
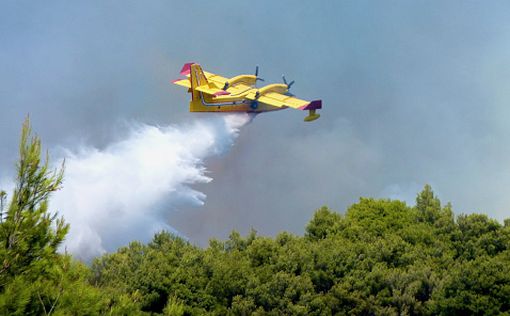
214, 93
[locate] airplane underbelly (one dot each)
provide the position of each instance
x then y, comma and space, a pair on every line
198, 106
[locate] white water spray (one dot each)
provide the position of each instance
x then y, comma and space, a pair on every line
125, 191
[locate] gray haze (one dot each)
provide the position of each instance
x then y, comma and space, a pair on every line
413, 93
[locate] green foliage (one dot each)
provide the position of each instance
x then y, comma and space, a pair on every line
27, 239
479, 286
428, 205
323, 224
381, 257
174, 307
34, 278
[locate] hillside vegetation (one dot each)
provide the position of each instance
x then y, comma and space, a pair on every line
380, 257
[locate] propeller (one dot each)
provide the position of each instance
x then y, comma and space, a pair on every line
257, 74
289, 84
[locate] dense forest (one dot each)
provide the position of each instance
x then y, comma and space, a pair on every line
379, 257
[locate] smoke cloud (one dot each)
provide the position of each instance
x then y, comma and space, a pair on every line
413, 93
125, 191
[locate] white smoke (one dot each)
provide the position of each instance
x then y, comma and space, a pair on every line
125, 191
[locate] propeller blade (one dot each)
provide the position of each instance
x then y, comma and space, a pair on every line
289, 84
257, 74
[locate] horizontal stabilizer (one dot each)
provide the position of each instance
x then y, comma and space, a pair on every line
182, 82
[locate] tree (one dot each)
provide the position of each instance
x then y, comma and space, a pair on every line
381, 257
26, 233
428, 205
29, 233
324, 222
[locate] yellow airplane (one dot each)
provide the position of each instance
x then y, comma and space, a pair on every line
213, 93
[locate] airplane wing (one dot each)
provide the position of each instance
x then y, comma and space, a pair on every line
281, 100
215, 78
212, 87
216, 84
214, 91
284, 101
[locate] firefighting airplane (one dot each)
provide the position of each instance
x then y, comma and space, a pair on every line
213, 93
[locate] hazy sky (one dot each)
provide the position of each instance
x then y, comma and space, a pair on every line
413, 92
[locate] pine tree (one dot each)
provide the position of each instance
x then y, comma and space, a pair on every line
428, 205
29, 233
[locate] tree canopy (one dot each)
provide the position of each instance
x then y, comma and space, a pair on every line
379, 257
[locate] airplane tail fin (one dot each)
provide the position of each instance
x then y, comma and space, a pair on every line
197, 77
196, 74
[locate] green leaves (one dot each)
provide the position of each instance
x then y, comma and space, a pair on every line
479, 286
34, 278
29, 234
381, 257
428, 205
